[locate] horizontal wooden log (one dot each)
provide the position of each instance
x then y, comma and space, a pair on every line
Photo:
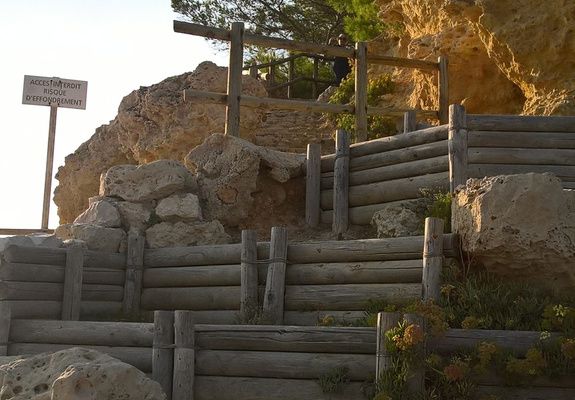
568, 185
347, 297
205, 275
410, 139
314, 318
565, 172
391, 172
405, 154
192, 298
398, 112
223, 254
404, 248
55, 291
269, 103
401, 271
520, 123
82, 333
467, 339
283, 365
537, 140
263, 41
47, 309
55, 274
241, 388
494, 379
483, 155
361, 215
388, 191
139, 357
57, 256
24, 231
403, 62
342, 340
527, 393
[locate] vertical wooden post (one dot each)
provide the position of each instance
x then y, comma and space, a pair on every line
5, 320
341, 183
457, 146
272, 75
49, 166
249, 275
73, 283
134, 273
163, 350
432, 259
235, 79
184, 356
409, 121
273, 309
416, 378
254, 72
385, 322
315, 77
361, 91
312, 184
443, 90
291, 77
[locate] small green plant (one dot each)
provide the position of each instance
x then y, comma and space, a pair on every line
377, 126
439, 207
334, 380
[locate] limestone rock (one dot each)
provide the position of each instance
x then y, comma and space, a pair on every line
101, 213
397, 219
151, 181
75, 374
167, 234
152, 123
490, 45
240, 181
96, 237
134, 215
519, 226
17, 240
179, 207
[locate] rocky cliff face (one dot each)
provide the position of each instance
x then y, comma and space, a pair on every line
154, 123
505, 56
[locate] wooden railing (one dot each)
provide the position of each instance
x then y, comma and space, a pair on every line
292, 79
233, 98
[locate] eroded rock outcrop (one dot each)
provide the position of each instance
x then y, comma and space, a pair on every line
242, 184
519, 226
505, 56
75, 374
152, 123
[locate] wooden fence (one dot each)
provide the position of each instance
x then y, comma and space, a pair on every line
234, 98
296, 283
487, 145
348, 187
255, 362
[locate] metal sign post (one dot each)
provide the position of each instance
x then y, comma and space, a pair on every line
52, 92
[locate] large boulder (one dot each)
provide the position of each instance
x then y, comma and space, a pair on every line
75, 374
241, 184
184, 207
152, 123
181, 234
101, 213
146, 182
98, 238
491, 47
402, 218
519, 226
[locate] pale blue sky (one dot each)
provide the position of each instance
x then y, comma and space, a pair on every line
117, 46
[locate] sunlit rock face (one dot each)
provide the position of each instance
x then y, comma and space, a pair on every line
505, 56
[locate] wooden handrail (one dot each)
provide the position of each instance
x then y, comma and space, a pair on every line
403, 62
11, 231
287, 59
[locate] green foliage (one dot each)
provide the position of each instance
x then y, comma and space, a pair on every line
440, 206
313, 21
483, 301
334, 380
376, 89
361, 21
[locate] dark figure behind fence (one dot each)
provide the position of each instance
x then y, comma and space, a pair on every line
341, 66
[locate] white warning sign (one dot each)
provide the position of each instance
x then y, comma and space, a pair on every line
43, 91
